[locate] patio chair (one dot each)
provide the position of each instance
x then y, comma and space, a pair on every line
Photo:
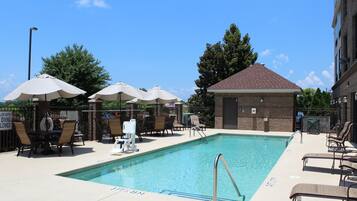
337, 135
340, 141
339, 148
78, 136
159, 125
139, 128
169, 124
26, 141
115, 129
178, 126
195, 122
324, 191
148, 125
66, 137
348, 168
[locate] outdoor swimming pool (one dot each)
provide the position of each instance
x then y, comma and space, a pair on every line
187, 169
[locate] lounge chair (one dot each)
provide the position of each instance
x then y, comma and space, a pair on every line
350, 166
178, 126
159, 125
340, 141
324, 191
25, 139
195, 122
340, 148
115, 129
66, 137
330, 156
335, 130
338, 135
139, 128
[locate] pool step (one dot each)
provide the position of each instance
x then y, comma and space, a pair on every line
192, 196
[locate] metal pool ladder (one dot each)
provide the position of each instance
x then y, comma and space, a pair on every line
215, 174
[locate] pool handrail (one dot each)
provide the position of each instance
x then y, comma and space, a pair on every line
199, 131
215, 175
292, 136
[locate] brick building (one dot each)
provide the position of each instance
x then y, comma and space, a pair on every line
255, 98
345, 45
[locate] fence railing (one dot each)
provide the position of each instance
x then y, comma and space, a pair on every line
8, 138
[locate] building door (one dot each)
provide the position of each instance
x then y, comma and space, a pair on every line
354, 116
230, 113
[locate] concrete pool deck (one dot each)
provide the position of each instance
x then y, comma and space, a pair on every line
35, 178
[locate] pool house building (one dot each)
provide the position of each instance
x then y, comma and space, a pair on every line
255, 98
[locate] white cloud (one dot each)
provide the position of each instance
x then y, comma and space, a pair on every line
280, 59
325, 79
266, 52
328, 74
291, 71
93, 3
6, 85
310, 81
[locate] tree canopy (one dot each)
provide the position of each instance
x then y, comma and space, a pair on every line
218, 62
314, 101
77, 66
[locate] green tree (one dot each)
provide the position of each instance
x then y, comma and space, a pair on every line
218, 62
314, 102
76, 66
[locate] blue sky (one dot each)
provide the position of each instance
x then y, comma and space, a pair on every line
148, 43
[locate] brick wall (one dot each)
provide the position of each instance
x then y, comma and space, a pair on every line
347, 84
278, 108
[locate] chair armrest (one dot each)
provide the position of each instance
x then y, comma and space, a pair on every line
348, 190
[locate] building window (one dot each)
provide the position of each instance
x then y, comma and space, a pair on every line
344, 58
354, 24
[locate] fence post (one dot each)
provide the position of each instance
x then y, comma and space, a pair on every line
94, 118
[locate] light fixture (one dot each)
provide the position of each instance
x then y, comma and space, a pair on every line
339, 101
345, 99
261, 99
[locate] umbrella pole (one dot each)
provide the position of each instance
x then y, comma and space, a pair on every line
120, 104
46, 116
157, 107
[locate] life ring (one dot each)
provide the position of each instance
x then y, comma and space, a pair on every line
117, 114
49, 124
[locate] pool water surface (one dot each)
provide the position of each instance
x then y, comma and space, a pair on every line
188, 168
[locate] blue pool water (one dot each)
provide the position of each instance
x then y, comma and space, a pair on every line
188, 168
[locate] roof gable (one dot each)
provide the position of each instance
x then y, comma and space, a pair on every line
255, 78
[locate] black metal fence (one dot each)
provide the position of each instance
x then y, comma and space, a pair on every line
31, 116
8, 138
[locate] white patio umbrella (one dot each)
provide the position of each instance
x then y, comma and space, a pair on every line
158, 96
45, 88
119, 92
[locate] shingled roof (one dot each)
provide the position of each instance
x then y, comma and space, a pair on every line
255, 79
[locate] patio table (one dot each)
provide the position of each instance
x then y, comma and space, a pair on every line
45, 138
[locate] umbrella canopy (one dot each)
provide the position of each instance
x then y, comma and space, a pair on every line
118, 92
45, 88
160, 96
155, 95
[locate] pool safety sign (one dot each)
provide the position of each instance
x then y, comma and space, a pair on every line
5, 121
